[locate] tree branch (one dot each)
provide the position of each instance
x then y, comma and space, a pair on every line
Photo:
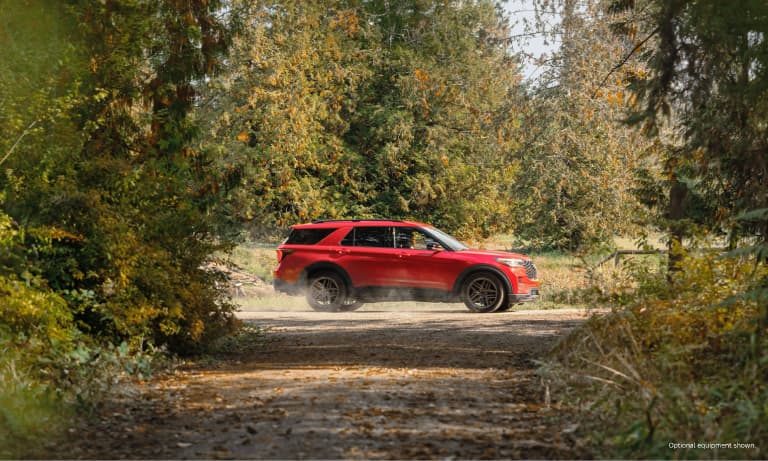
625, 59
13, 147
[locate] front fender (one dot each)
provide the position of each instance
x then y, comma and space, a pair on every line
509, 284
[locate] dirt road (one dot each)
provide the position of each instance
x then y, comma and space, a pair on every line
383, 382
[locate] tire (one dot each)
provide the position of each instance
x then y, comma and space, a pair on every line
350, 305
327, 292
484, 292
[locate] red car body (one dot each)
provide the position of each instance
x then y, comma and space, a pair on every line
375, 260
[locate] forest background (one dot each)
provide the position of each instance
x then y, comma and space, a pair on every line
142, 140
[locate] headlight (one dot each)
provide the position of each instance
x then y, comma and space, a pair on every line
511, 262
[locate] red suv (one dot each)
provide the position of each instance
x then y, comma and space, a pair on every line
342, 264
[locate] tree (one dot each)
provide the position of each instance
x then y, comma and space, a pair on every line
346, 108
707, 82
107, 191
437, 131
281, 110
581, 165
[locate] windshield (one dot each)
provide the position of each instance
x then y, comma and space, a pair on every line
449, 242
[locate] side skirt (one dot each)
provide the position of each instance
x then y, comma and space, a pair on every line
379, 294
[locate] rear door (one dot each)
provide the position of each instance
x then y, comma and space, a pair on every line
369, 256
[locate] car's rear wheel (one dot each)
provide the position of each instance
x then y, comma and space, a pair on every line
327, 292
484, 292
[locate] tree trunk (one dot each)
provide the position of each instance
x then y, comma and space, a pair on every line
676, 213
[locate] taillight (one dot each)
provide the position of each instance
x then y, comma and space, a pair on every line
282, 254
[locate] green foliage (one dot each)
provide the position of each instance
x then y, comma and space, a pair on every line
36, 332
46, 381
110, 199
440, 134
48, 367
717, 126
338, 109
29, 411
104, 223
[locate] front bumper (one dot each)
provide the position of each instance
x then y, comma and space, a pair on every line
532, 295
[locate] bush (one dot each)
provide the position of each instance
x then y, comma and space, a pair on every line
687, 365
29, 411
49, 369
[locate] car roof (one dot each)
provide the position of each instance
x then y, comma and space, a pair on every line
357, 222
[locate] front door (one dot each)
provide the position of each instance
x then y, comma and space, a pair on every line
423, 263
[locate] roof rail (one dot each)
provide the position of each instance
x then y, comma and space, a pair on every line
320, 221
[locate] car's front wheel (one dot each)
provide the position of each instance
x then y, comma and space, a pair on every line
327, 292
484, 292
351, 304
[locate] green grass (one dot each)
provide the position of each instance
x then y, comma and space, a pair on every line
30, 413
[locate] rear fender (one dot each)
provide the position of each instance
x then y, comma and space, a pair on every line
324, 266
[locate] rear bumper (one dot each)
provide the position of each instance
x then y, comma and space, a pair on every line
282, 286
532, 295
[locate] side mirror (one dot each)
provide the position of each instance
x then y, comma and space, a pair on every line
434, 246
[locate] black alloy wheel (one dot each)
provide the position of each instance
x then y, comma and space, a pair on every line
327, 292
483, 292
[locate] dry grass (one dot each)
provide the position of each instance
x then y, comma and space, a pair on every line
677, 365
256, 258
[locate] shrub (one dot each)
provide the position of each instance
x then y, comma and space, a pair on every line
688, 365
49, 369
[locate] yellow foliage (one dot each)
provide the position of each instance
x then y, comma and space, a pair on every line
348, 21
196, 329
425, 105
423, 78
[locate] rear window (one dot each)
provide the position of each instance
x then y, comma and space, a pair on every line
308, 236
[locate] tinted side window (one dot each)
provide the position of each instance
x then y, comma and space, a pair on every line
379, 237
307, 236
409, 237
349, 240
